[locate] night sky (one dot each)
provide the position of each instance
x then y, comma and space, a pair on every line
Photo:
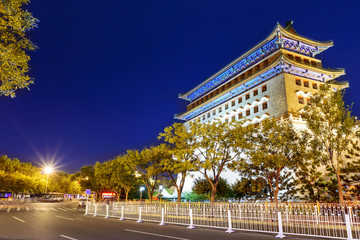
108, 73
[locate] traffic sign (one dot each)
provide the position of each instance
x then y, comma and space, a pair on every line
88, 191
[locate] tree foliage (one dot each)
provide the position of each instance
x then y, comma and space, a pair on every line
217, 145
333, 130
276, 151
203, 187
147, 164
251, 189
14, 23
182, 145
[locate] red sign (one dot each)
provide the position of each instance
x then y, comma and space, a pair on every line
108, 195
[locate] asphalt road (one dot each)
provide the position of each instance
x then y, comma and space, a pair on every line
67, 221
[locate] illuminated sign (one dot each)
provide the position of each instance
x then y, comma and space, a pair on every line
108, 195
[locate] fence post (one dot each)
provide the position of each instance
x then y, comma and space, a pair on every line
316, 215
348, 227
139, 220
204, 210
261, 212
229, 230
221, 216
350, 215
281, 233
122, 214
95, 211
162, 218
107, 211
191, 220
287, 214
87, 208
240, 212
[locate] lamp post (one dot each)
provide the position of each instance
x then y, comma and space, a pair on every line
141, 190
48, 170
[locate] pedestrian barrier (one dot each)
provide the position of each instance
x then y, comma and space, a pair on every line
314, 220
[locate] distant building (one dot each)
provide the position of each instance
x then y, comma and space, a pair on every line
273, 79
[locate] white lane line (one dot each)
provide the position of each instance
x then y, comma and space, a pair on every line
67, 208
18, 219
154, 234
64, 218
55, 209
67, 237
63, 209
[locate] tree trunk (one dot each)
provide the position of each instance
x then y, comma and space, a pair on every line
276, 197
150, 194
179, 195
126, 194
340, 192
213, 193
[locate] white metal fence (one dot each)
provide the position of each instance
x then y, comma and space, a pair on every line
317, 220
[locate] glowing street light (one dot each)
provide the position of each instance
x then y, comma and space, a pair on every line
141, 190
47, 170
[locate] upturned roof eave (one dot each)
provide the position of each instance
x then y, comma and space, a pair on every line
322, 45
247, 53
277, 61
336, 72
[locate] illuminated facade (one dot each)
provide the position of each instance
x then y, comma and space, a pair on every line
274, 79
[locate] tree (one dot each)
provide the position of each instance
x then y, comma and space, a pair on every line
203, 187
87, 179
351, 175
14, 23
106, 174
311, 182
277, 150
182, 147
124, 175
217, 145
333, 129
147, 165
18, 177
251, 189
64, 183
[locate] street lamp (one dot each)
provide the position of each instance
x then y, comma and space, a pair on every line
161, 187
141, 190
47, 170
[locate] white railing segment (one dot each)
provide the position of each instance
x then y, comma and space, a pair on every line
314, 220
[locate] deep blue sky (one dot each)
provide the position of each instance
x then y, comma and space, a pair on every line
108, 73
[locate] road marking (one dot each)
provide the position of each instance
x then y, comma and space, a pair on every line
18, 219
27, 209
65, 218
154, 234
63, 209
55, 209
67, 208
64, 236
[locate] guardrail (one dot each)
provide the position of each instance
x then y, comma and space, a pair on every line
316, 220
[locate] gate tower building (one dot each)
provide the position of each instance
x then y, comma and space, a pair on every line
273, 79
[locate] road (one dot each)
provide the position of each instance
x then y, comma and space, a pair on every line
67, 221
